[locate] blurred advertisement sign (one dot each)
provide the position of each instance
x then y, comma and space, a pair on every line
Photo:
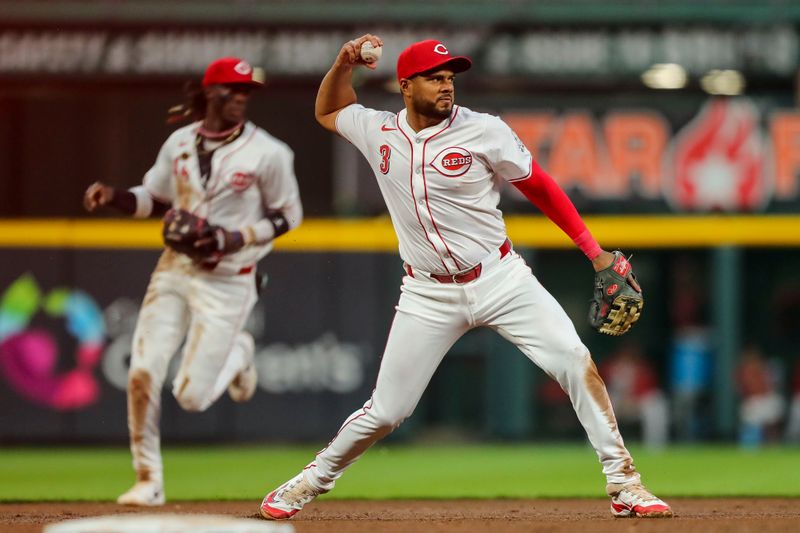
602, 52
66, 328
718, 161
29, 356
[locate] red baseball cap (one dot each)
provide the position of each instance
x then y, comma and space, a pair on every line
232, 70
428, 55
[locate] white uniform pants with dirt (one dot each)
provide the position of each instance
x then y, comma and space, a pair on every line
431, 316
212, 309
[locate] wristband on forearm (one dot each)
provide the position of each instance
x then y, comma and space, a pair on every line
272, 226
587, 244
125, 201
144, 204
279, 223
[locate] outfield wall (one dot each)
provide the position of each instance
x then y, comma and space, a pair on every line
322, 321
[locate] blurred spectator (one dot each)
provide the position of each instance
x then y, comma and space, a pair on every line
793, 424
633, 387
761, 407
690, 381
690, 358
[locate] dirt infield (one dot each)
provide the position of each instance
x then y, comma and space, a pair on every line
760, 515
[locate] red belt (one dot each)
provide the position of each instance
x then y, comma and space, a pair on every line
471, 274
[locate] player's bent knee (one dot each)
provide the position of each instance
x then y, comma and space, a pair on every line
578, 356
571, 364
192, 403
192, 400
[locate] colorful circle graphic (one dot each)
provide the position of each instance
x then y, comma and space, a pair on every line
29, 356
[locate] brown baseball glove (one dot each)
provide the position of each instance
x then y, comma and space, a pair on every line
617, 303
192, 235
184, 231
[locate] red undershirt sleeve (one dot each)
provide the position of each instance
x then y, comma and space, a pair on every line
544, 193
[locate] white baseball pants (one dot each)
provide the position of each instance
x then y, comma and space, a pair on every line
212, 308
431, 316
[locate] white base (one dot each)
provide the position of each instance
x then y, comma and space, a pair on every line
167, 523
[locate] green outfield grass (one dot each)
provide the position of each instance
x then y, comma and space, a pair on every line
394, 471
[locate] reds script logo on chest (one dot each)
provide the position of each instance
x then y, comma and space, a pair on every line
240, 181
452, 162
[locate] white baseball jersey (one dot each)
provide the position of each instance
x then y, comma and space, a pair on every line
441, 184
250, 175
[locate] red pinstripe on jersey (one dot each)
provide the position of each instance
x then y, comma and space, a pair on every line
425, 184
413, 197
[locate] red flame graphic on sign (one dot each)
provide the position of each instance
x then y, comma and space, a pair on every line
719, 159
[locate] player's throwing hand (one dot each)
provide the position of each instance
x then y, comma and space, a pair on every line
350, 54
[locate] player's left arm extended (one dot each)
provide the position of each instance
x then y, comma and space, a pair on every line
617, 300
543, 192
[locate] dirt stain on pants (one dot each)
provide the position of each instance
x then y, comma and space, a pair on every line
138, 401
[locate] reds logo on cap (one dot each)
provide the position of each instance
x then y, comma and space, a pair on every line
426, 56
452, 162
232, 70
243, 68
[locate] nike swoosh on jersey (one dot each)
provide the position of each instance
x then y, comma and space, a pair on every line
384, 128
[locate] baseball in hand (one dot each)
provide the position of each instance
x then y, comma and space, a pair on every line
370, 53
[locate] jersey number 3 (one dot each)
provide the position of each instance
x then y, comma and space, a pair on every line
386, 153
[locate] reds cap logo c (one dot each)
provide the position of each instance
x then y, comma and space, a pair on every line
441, 49
452, 162
243, 68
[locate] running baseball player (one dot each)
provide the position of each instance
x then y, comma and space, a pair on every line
440, 167
228, 189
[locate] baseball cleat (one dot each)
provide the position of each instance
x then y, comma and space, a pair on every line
243, 385
288, 499
144, 494
633, 500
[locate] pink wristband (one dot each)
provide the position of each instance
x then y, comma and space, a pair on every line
587, 244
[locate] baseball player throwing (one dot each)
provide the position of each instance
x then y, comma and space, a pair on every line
228, 190
440, 167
